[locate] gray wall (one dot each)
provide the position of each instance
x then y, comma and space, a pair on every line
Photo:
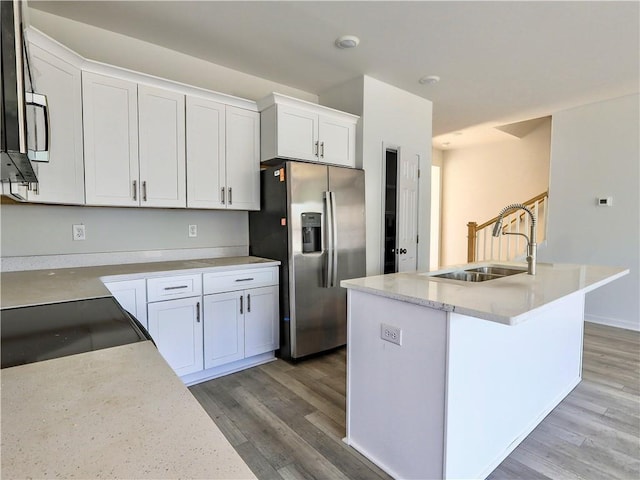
46, 229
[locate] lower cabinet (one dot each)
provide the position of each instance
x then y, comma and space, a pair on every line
240, 324
176, 328
132, 296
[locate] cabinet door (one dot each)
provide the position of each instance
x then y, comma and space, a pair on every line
297, 133
162, 148
337, 142
261, 330
243, 159
132, 296
206, 174
176, 329
62, 179
110, 119
223, 328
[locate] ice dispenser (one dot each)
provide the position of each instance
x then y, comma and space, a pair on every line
311, 232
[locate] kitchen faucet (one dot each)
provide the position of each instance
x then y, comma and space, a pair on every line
531, 239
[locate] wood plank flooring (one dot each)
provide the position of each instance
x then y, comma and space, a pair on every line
287, 421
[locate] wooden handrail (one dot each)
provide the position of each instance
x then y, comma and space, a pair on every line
473, 227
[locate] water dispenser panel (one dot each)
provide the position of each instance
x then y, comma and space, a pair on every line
311, 232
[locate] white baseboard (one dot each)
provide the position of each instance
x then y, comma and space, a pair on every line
613, 322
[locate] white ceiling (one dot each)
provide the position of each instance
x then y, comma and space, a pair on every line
499, 62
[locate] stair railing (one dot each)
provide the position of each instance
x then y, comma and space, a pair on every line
482, 246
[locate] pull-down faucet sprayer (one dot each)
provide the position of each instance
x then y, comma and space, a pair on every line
531, 239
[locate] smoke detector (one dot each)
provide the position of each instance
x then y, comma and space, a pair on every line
347, 41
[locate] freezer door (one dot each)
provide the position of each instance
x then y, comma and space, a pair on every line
313, 327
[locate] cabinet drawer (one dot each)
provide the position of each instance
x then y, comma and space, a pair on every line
166, 288
239, 279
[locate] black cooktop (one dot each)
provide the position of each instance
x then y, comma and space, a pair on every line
43, 332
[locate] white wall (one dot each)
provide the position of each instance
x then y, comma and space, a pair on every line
478, 181
595, 151
390, 117
46, 229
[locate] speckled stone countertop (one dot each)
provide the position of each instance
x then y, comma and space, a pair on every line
35, 287
506, 300
120, 412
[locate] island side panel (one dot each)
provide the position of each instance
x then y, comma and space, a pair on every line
396, 394
503, 380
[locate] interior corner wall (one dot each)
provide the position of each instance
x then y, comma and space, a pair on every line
595, 152
389, 116
478, 181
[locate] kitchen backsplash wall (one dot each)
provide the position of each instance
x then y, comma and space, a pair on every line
47, 229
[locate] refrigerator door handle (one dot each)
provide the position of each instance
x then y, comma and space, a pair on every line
328, 240
334, 241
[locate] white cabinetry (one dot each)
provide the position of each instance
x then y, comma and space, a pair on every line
175, 323
162, 147
110, 109
295, 129
223, 163
132, 296
242, 320
56, 74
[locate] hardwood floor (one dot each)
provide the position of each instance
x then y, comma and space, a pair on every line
287, 421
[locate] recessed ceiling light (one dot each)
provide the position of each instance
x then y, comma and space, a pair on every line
347, 41
429, 80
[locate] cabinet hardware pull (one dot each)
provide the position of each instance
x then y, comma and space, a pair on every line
248, 302
241, 312
222, 193
244, 279
144, 191
135, 190
321, 149
316, 153
177, 287
230, 197
198, 312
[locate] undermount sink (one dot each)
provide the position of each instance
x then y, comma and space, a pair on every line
481, 274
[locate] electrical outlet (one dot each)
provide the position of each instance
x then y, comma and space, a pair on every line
193, 230
391, 334
78, 232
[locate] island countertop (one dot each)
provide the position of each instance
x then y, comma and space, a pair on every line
506, 300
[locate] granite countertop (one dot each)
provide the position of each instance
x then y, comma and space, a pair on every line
120, 412
505, 300
35, 287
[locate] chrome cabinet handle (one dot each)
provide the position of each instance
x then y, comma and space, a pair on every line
198, 312
222, 194
135, 190
321, 149
241, 312
177, 287
316, 152
230, 196
144, 191
244, 279
248, 302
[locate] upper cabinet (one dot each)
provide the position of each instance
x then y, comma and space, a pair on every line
300, 130
56, 73
223, 156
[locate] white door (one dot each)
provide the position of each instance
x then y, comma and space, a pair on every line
176, 328
337, 142
206, 171
132, 296
223, 328
62, 179
243, 159
261, 329
407, 211
297, 133
162, 147
110, 120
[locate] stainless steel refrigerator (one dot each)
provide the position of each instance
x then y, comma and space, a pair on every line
312, 220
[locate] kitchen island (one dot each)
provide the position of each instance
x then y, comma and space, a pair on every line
446, 377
